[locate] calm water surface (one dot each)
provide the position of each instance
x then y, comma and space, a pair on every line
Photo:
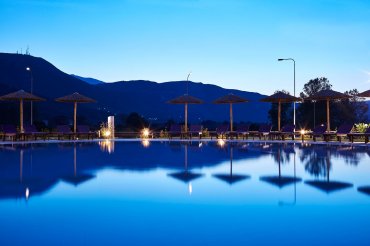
177, 193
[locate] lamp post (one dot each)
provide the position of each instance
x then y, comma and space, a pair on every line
187, 83
29, 69
291, 59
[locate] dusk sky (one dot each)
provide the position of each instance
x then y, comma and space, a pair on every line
231, 43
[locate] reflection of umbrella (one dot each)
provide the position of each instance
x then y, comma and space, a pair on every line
230, 99
280, 97
280, 180
21, 96
231, 178
327, 95
185, 176
186, 99
77, 179
327, 185
75, 98
364, 189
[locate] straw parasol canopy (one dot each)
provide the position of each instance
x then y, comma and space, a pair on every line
75, 98
230, 99
280, 97
186, 99
20, 96
364, 94
327, 95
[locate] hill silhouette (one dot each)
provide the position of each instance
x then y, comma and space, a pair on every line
148, 98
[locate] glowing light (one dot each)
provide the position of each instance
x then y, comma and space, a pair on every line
28, 69
190, 187
145, 143
221, 143
107, 133
27, 193
145, 133
303, 132
200, 145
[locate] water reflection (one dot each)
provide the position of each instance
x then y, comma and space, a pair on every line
186, 175
280, 155
33, 169
230, 177
318, 162
77, 178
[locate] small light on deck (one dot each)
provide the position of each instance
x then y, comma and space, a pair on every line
106, 133
303, 132
145, 133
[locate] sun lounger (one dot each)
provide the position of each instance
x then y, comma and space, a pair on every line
365, 135
318, 131
175, 130
30, 131
64, 131
263, 131
195, 130
243, 131
343, 131
84, 130
287, 131
9, 131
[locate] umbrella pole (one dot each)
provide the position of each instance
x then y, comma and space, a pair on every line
75, 117
21, 115
279, 115
327, 115
231, 117
186, 117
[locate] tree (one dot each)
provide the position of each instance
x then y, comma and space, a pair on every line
136, 121
310, 113
286, 112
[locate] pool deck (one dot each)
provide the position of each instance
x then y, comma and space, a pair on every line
356, 144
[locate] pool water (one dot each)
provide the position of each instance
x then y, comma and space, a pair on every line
184, 193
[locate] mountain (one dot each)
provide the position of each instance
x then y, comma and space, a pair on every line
145, 97
90, 81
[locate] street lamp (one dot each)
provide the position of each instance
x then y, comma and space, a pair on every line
29, 69
291, 59
187, 84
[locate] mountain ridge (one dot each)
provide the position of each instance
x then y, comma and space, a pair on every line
145, 97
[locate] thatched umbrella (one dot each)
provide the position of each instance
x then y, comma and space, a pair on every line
280, 97
327, 95
21, 96
75, 98
230, 99
186, 99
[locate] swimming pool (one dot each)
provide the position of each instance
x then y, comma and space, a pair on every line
184, 193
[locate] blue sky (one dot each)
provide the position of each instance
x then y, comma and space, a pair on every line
231, 43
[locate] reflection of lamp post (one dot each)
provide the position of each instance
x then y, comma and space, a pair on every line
29, 69
291, 59
281, 203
